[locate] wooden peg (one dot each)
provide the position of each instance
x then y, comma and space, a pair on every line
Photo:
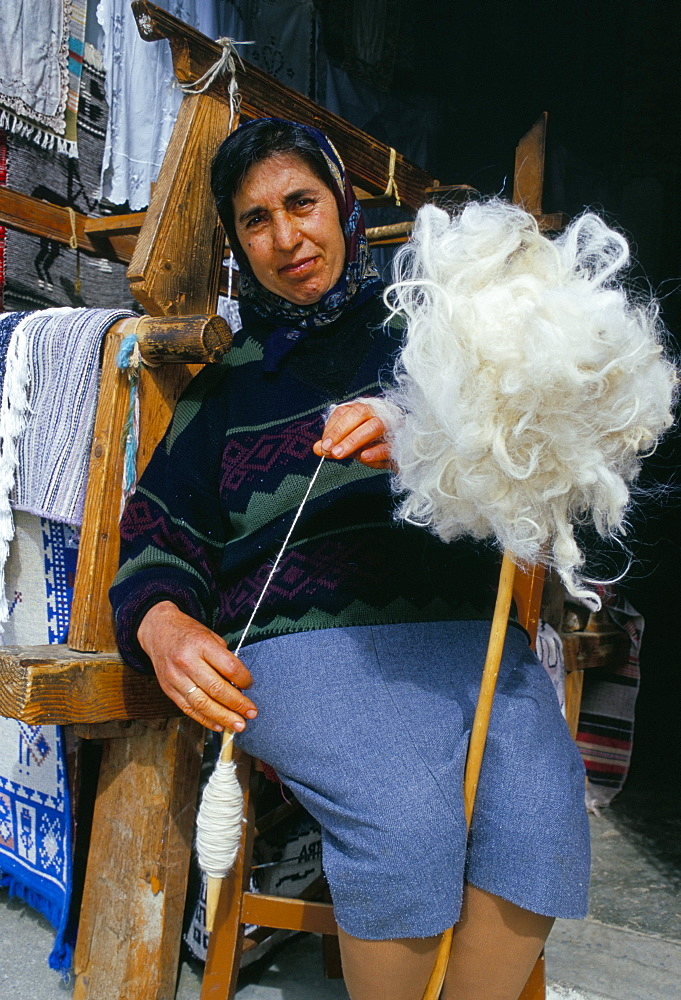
178, 339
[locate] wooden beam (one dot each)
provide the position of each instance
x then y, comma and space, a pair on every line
52, 222
52, 684
197, 340
366, 159
175, 269
288, 914
130, 925
116, 225
528, 177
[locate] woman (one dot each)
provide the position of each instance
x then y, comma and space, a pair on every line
364, 661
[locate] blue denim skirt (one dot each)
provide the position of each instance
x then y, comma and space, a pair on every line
369, 727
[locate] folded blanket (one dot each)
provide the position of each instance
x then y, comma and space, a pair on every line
62, 360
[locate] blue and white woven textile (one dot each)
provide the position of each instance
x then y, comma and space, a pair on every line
35, 810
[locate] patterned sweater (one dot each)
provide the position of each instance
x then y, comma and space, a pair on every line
217, 499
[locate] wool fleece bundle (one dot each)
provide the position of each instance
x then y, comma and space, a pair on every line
531, 383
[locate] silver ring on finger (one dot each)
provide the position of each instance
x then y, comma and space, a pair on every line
194, 687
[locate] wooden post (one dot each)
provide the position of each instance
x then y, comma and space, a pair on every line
175, 269
528, 176
91, 628
131, 918
226, 941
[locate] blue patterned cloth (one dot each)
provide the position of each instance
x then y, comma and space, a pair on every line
35, 809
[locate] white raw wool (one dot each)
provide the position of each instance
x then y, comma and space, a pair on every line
531, 384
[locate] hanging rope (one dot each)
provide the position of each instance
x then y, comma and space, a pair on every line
129, 359
73, 243
391, 186
224, 64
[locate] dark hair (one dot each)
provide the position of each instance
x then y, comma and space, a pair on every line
250, 144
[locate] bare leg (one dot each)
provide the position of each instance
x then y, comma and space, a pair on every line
495, 947
387, 970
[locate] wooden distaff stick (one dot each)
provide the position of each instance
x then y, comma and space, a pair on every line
476, 747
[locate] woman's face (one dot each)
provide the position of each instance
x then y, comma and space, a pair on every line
287, 222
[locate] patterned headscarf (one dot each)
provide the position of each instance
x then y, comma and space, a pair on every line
357, 283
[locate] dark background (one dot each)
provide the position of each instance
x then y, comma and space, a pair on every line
609, 74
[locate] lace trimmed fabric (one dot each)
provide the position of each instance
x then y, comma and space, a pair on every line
40, 68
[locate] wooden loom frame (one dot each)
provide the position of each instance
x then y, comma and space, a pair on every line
129, 936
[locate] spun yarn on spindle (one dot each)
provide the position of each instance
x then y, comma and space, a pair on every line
531, 383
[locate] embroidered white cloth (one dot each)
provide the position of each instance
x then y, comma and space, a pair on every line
140, 89
33, 60
41, 50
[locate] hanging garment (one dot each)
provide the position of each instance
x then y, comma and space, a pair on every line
142, 96
41, 52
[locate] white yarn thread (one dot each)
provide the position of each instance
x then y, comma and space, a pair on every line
531, 384
220, 818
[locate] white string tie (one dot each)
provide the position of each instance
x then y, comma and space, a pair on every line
391, 186
224, 64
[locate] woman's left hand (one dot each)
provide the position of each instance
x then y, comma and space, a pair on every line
355, 431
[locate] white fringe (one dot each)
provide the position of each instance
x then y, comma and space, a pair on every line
13, 413
93, 57
36, 134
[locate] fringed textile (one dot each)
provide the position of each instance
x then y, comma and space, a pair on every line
54, 451
35, 808
41, 58
13, 412
41, 273
605, 735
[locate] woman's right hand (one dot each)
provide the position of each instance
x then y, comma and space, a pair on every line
195, 668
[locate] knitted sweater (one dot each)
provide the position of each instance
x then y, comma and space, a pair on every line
217, 499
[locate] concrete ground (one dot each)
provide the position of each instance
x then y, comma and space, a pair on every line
629, 948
